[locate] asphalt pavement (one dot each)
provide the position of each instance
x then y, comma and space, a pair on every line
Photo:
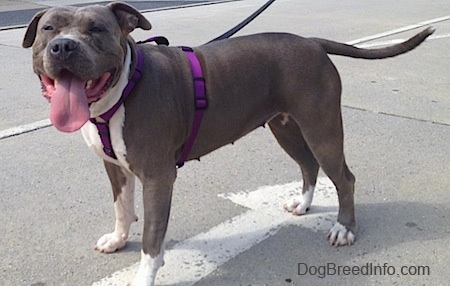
55, 199
14, 14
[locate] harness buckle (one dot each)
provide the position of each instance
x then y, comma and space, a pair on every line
201, 103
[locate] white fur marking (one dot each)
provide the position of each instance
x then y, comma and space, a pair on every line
69, 36
147, 269
89, 130
339, 235
285, 119
299, 207
125, 216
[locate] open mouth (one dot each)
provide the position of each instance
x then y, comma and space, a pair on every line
70, 97
93, 88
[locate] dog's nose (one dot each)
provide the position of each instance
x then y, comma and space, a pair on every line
62, 48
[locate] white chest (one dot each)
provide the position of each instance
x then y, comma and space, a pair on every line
92, 139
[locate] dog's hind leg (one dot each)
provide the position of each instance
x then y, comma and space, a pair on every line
322, 130
122, 183
290, 138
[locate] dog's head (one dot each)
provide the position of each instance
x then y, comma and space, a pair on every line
78, 54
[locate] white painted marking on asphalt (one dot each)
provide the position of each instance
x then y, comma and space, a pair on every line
24, 128
191, 260
399, 30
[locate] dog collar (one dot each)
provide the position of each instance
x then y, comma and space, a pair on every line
201, 102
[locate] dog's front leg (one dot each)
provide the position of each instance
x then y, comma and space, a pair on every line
122, 183
157, 195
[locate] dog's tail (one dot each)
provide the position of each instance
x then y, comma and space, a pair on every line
341, 49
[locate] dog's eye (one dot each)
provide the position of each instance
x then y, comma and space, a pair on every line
48, 28
96, 29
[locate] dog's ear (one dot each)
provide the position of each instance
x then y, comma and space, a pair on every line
128, 17
30, 34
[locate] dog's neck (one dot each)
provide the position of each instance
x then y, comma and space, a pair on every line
113, 95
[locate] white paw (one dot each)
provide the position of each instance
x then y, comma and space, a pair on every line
147, 269
300, 207
111, 242
296, 206
339, 235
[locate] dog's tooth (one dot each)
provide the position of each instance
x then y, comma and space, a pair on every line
89, 84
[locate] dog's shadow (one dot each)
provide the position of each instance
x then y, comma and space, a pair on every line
381, 226
399, 222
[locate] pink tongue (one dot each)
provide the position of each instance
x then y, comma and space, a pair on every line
69, 109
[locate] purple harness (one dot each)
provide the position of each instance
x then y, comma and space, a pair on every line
201, 102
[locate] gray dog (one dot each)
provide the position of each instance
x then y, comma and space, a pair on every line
85, 59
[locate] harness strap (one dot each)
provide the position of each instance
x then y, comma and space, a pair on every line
201, 102
103, 126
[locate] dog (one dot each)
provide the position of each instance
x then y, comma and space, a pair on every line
85, 57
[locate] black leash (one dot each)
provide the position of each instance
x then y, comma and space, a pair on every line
241, 25
163, 41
